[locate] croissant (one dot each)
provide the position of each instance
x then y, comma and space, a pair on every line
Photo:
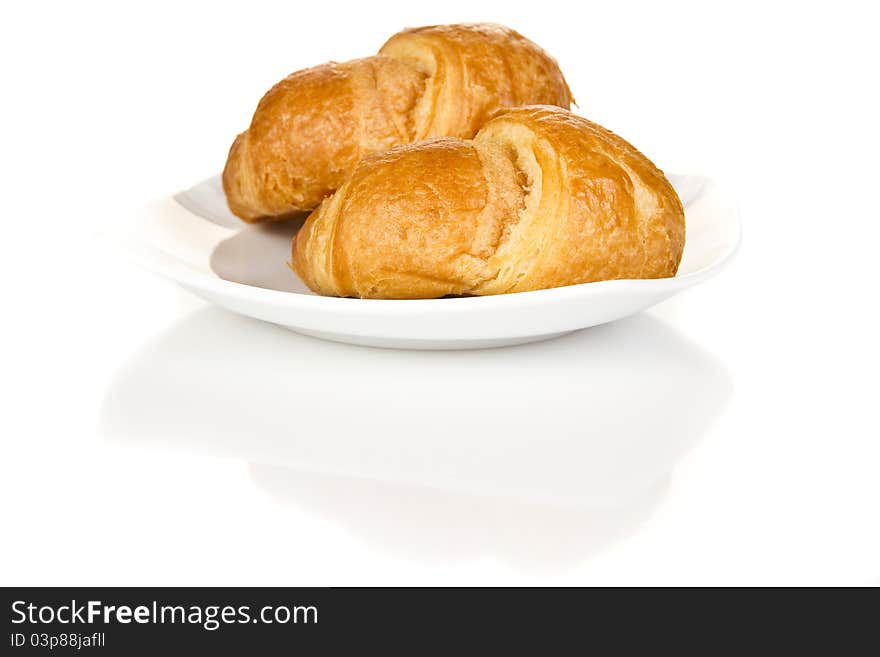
540, 198
311, 129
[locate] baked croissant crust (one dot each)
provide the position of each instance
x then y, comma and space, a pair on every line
540, 198
312, 128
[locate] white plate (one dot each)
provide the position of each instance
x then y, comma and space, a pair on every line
194, 240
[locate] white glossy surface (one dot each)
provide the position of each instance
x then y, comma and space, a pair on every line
726, 436
446, 434
194, 240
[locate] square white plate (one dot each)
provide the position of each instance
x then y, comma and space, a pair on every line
193, 239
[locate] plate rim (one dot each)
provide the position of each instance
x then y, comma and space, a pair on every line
155, 259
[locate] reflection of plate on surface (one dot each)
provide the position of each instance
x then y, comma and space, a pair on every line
194, 240
597, 416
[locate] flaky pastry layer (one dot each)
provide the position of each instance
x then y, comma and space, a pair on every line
312, 128
540, 198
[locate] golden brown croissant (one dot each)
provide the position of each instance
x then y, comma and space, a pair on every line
540, 198
311, 129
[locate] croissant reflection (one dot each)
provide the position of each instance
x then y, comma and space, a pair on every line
592, 416
576, 437
424, 523
311, 129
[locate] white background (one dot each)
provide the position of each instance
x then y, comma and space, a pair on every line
728, 436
